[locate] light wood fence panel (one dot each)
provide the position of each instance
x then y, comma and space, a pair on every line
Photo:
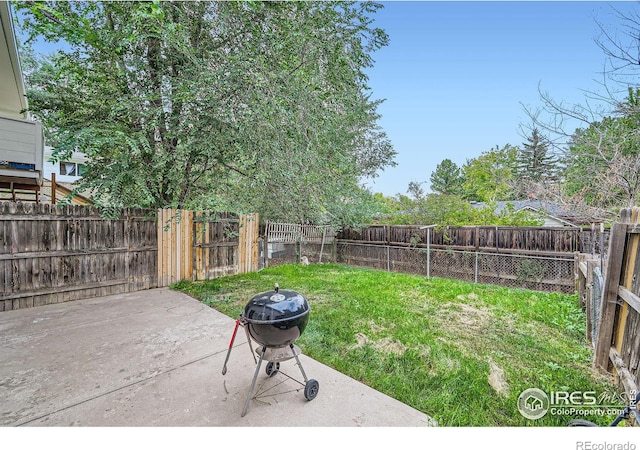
203, 246
248, 244
216, 245
175, 244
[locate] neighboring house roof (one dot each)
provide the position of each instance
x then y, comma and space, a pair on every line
12, 91
555, 214
64, 190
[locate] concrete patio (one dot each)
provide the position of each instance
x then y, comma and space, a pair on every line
154, 358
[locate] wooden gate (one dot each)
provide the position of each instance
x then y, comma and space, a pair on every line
248, 243
198, 246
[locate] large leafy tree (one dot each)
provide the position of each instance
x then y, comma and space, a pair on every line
489, 177
220, 105
442, 210
447, 178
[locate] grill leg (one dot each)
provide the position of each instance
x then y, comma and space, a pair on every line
304, 375
246, 330
253, 383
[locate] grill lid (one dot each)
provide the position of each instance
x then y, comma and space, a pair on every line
276, 306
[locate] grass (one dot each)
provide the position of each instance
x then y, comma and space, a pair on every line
460, 352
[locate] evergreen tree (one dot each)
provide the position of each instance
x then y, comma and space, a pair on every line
447, 178
534, 163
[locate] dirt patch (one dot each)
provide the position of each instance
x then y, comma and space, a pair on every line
386, 345
374, 327
361, 340
497, 380
466, 315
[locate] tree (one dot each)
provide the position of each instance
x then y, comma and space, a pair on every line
443, 210
600, 160
534, 165
447, 178
600, 153
241, 106
416, 191
489, 177
603, 160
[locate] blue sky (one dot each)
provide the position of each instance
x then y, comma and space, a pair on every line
456, 74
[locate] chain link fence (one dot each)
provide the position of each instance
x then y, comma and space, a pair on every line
541, 273
293, 243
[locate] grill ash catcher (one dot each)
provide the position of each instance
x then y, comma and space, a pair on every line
274, 320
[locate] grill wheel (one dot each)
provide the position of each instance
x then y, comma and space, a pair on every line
272, 368
311, 389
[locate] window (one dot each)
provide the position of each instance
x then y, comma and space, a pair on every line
72, 169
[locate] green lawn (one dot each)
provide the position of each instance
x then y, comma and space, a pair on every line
460, 352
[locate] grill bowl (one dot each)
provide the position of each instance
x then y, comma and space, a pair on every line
277, 318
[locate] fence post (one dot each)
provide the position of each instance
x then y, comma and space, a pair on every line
601, 247
476, 269
580, 280
324, 235
266, 244
386, 230
428, 253
610, 294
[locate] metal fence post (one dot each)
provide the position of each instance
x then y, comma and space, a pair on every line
428, 253
476, 269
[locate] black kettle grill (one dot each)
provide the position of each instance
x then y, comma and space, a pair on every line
274, 320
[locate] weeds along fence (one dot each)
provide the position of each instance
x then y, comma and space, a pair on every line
52, 254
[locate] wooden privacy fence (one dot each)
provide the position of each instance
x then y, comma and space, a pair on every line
484, 238
201, 246
51, 254
617, 344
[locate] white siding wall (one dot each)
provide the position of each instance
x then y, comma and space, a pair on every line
21, 141
54, 167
